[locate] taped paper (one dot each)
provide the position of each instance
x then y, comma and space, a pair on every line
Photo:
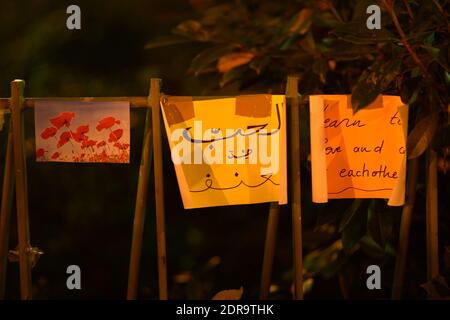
228, 151
361, 155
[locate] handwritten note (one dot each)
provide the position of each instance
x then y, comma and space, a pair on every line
358, 155
228, 151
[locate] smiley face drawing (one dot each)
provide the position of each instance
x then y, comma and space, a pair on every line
228, 151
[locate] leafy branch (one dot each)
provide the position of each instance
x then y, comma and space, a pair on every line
389, 4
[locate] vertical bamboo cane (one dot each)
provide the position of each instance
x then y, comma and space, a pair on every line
432, 216
269, 249
5, 212
17, 100
295, 186
141, 204
405, 226
159, 188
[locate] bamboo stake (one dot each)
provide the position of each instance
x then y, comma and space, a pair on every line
140, 209
17, 100
5, 212
159, 188
405, 227
135, 102
432, 216
269, 249
295, 185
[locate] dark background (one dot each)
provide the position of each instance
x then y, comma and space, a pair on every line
83, 214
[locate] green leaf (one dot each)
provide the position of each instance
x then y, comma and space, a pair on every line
259, 64
429, 40
373, 81
433, 52
447, 78
421, 136
349, 213
357, 32
326, 260
390, 249
208, 56
348, 51
354, 224
416, 72
410, 91
365, 91
380, 222
355, 230
233, 75
166, 41
192, 29
302, 22
370, 246
320, 67
326, 20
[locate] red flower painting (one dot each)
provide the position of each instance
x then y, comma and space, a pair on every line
40, 153
115, 135
64, 138
67, 137
107, 123
64, 119
49, 132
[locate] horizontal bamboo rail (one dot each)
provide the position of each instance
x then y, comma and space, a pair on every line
135, 102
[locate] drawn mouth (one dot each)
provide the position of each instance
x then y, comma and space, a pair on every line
209, 184
232, 155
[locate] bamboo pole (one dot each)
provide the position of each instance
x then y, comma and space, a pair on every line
432, 216
295, 185
155, 89
17, 87
405, 227
269, 249
140, 208
5, 212
135, 102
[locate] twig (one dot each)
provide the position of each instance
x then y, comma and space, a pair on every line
441, 11
390, 9
408, 8
336, 14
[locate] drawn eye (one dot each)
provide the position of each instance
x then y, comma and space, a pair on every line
236, 174
208, 175
211, 147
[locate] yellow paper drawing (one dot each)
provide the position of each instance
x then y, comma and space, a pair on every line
358, 155
228, 151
